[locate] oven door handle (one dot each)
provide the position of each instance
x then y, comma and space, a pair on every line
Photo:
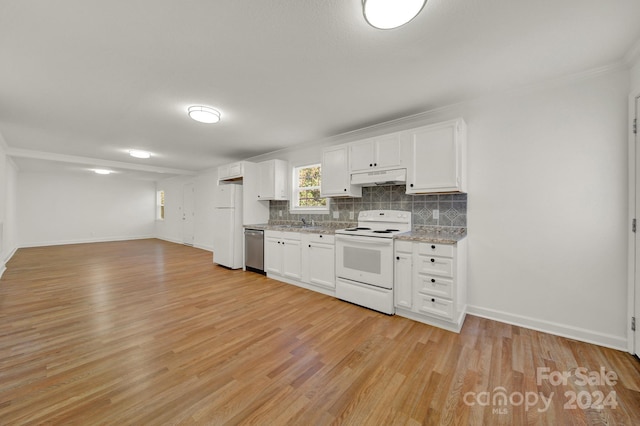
365, 240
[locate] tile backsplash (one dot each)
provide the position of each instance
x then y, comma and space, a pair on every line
452, 207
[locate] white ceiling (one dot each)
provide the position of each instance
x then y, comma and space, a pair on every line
82, 81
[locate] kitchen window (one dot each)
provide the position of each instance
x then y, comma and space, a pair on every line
305, 188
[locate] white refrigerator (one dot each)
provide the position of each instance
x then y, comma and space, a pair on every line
227, 226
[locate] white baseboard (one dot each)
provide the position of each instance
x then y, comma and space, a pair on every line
576, 333
3, 266
85, 241
169, 240
207, 248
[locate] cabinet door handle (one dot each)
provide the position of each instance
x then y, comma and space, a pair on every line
432, 260
309, 245
375, 164
397, 257
433, 300
370, 165
432, 280
433, 247
345, 190
320, 236
411, 185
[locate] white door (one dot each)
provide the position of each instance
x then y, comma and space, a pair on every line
291, 259
335, 175
388, 150
636, 313
322, 265
188, 213
223, 242
272, 254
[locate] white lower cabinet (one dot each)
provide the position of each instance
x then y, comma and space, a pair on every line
318, 260
303, 259
282, 254
431, 283
403, 281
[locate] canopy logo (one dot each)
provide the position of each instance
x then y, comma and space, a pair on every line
500, 400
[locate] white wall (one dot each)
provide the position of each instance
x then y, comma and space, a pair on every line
61, 208
547, 209
8, 172
170, 229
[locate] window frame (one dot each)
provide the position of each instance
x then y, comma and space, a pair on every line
294, 208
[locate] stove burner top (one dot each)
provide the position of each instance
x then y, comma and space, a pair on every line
386, 231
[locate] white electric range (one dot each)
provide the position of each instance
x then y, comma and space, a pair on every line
364, 258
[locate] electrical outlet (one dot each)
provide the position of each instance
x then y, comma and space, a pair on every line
351, 215
336, 215
436, 214
280, 213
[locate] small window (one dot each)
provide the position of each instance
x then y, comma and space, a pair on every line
160, 205
306, 190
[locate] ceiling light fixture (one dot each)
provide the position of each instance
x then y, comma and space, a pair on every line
204, 114
139, 154
102, 171
388, 14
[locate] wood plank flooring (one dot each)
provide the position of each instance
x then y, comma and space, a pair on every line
148, 332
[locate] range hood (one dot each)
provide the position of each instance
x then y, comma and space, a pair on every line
385, 177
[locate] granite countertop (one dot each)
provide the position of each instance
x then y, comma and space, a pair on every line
434, 234
326, 229
425, 234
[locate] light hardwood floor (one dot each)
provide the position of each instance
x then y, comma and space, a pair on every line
150, 333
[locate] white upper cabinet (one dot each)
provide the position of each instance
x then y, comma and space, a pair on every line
231, 172
273, 178
336, 178
437, 158
379, 153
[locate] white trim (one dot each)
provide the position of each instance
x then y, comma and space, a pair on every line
206, 248
86, 241
631, 257
3, 267
581, 334
453, 326
311, 287
293, 209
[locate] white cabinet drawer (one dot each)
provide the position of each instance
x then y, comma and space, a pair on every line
321, 238
294, 236
434, 265
432, 285
436, 306
435, 249
405, 246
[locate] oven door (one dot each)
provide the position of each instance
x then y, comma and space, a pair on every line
367, 260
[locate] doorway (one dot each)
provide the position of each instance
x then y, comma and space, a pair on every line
188, 214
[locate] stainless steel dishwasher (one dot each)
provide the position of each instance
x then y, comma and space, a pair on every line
254, 250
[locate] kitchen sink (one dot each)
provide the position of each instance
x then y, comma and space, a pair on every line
301, 227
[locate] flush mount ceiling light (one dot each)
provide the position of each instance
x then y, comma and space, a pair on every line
102, 171
204, 114
388, 14
139, 154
